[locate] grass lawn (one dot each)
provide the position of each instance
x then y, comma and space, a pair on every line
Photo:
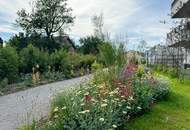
172, 114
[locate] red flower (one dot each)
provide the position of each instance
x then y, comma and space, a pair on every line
88, 98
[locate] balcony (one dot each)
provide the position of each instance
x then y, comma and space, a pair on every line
179, 36
181, 9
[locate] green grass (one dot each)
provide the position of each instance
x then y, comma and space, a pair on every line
171, 114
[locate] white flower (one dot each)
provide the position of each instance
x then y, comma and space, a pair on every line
111, 93
114, 126
87, 93
64, 108
105, 100
87, 111
128, 107
101, 119
82, 112
116, 99
79, 92
56, 116
104, 105
82, 104
122, 96
124, 112
139, 108
131, 98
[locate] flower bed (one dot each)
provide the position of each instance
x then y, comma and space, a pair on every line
112, 97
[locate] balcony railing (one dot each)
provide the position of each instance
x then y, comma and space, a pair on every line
177, 5
179, 36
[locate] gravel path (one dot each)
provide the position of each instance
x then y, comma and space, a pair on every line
22, 107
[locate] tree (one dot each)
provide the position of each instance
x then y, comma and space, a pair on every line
1, 42
142, 46
89, 45
98, 22
47, 16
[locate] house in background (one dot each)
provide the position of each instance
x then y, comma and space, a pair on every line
162, 54
66, 42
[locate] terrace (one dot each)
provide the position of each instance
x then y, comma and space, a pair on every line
180, 9
179, 36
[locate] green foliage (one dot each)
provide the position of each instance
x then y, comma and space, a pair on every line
3, 83
107, 54
9, 64
170, 114
96, 66
48, 16
110, 55
89, 45
32, 56
171, 71
70, 64
1, 42
21, 41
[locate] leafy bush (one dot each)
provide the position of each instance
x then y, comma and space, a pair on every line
96, 66
172, 72
89, 45
70, 64
3, 83
32, 56
9, 64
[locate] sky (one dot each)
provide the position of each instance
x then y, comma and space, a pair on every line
138, 19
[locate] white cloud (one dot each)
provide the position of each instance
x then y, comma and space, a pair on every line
130, 16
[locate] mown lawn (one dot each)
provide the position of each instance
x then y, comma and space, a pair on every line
171, 114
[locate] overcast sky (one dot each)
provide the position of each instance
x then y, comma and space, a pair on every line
140, 19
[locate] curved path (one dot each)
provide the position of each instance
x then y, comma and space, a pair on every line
25, 106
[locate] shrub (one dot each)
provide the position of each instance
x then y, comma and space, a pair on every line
96, 66
3, 83
9, 64
58, 59
69, 63
32, 56
89, 45
173, 72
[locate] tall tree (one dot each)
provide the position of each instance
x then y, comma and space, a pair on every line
1, 42
47, 16
98, 22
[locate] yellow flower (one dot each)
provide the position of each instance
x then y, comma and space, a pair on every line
56, 109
